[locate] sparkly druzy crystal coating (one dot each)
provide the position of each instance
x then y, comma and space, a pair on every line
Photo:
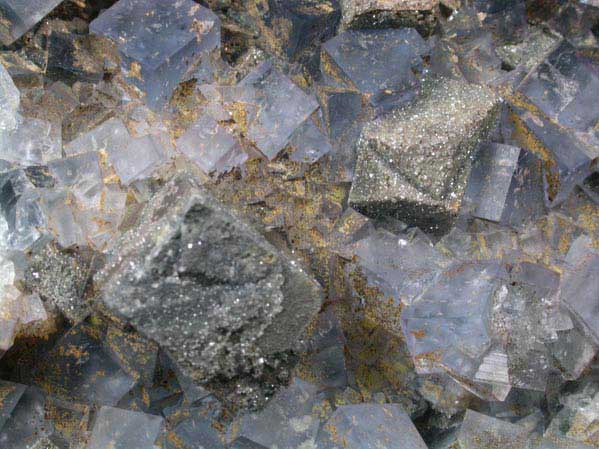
226, 307
413, 162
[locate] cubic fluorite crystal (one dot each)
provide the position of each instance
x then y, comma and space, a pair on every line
370, 425
123, 429
287, 421
577, 290
479, 431
81, 369
159, 43
378, 63
277, 107
557, 111
505, 185
10, 99
211, 146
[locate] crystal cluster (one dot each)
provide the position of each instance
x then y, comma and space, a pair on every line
299, 224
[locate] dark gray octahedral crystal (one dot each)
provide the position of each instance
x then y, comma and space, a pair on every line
413, 163
205, 285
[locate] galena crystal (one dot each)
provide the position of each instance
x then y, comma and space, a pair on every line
195, 299
358, 14
420, 180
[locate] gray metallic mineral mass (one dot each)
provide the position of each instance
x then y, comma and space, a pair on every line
205, 285
413, 163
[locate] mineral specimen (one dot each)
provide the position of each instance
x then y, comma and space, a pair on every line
159, 43
167, 193
420, 180
206, 286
